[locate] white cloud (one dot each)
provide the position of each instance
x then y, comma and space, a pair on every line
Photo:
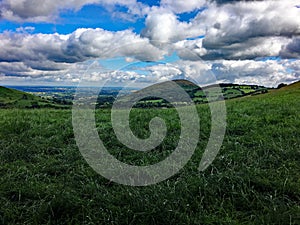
24, 54
196, 71
240, 30
181, 6
231, 23
163, 25
27, 29
98, 43
269, 73
23, 47
78, 46
163, 72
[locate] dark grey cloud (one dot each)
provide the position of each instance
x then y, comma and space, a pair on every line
250, 49
253, 48
291, 50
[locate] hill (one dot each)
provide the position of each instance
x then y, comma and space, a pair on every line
11, 98
253, 180
197, 94
186, 85
293, 86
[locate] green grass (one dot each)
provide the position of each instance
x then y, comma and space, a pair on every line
254, 179
10, 98
199, 96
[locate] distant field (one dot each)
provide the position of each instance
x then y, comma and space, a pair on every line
62, 97
11, 98
254, 179
200, 95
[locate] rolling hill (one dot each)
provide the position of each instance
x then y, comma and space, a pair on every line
293, 86
197, 94
11, 98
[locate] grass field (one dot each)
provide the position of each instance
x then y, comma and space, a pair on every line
254, 179
11, 98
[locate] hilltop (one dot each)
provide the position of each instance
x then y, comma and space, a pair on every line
198, 94
293, 86
11, 98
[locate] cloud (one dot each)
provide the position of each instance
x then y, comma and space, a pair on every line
239, 30
232, 23
81, 45
163, 25
181, 6
22, 71
48, 10
254, 48
292, 49
196, 71
98, 43
19, 47
243, 26
251, 49
17, 68
163, 72
232, 1
43, 53
30, 10
27, 29
269, 73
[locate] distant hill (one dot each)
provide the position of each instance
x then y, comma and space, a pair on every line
11, 98
229, 90
199, 95
293, 86
186, 85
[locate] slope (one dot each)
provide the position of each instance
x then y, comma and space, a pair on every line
11, 98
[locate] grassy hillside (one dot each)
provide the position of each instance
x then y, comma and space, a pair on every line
291, 87
10, 98
198, 95
254, 179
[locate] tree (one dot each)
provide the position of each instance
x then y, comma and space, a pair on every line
281, 85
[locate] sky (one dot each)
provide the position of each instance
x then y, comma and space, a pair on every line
55, 42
